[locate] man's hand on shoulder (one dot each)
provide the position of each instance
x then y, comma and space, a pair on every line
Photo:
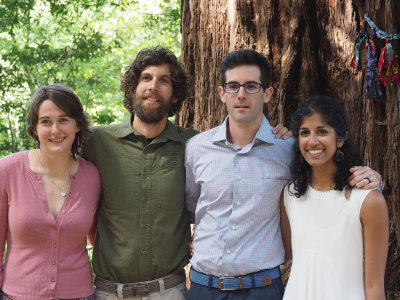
364, 177
281, 132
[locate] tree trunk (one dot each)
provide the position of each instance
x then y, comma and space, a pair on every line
309, 45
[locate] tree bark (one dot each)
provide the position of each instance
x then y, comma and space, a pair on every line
309, 45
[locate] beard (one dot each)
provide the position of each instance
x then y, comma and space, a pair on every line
150, 113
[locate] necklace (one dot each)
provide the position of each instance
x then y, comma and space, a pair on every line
63, 192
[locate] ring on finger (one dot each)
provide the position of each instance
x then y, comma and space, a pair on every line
369, 180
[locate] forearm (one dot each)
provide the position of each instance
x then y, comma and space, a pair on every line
375, 292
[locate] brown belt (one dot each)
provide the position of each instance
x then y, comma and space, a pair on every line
141, 288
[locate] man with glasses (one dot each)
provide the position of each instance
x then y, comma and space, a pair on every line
234, 177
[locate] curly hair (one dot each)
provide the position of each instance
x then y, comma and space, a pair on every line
68, 102
332, 112
155, 57
246, 57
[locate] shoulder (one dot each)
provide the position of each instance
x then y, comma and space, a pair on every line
288, 195
98, 131
14, 165
373, 200
186, 133
10, 161
202, 137
364, 199
285, 145
88, 172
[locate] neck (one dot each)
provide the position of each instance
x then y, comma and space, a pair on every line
149, 130
322, 180
242, 134
54, 164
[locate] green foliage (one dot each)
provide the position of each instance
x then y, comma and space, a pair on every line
84, 44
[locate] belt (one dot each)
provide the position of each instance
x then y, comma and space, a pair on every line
230, 283
141, 288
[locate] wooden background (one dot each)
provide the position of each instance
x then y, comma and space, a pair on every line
309, 44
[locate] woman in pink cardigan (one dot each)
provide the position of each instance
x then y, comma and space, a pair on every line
48, 200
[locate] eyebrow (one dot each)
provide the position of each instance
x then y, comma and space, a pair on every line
162, 76
46, 117
250, 81
321, 126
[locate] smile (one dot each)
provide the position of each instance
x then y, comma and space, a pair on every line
57, 140
316, 151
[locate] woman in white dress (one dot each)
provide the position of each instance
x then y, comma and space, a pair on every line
338, 235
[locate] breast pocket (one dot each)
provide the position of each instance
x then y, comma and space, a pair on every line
171, 185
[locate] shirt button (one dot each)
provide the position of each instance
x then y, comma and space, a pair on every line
145, 227
238, 203
53, 262
144, 252
63, 211
144, 175
228, 251
53, 280
55, 245
226, 274
145, 200
174, 162
233, 227
239, 177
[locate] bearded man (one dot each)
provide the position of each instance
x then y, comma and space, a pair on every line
141, 244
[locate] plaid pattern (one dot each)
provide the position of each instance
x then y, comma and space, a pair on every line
91, 297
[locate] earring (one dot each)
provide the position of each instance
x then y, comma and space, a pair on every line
37, 143
339, 155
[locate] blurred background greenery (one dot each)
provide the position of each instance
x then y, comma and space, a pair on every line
84, 44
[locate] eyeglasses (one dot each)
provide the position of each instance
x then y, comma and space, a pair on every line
249, 87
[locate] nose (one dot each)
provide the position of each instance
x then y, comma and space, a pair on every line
55, 128
241, 92
313, 141
153, 84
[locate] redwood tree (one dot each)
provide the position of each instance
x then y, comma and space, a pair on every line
309, 44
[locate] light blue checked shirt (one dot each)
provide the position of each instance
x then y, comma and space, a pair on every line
234, 194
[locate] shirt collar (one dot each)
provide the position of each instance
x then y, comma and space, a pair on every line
264, 132
170, 132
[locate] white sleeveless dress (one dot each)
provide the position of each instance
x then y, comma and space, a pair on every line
327, 245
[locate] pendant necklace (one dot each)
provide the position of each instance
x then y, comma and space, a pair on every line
62, 192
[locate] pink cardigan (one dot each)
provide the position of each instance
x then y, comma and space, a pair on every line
46, 257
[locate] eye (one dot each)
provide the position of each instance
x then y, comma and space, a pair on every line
232, 85
165, 80
44, 122
304, 132
323, 131
146, 78
64, 120
251, 86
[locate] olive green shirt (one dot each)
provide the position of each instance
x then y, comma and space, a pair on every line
143, 228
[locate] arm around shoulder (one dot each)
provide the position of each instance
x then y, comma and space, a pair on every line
375, 223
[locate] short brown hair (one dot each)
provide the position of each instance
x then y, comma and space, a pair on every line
67, 101
155, 57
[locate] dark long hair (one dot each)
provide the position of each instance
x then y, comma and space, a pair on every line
332, 112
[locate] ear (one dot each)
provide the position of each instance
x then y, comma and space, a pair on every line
174, 100
340, 143
268, 94
221, 93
